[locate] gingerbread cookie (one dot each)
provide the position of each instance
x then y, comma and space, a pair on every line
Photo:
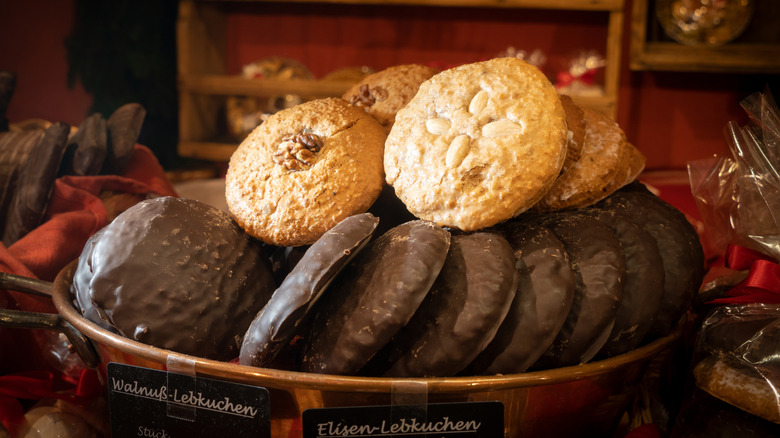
157, 275
545, 293
600, 268
459, 316
575, 123
586, 181
305, 169
375, 297
739, 384
383, 93
644, 283
631, 165
478, 144
292, 303
678, 242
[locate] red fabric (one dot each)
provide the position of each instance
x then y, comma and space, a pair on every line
75, 212
38, 385
648, 430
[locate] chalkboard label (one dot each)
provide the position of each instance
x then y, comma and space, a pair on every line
151, 403
440, 420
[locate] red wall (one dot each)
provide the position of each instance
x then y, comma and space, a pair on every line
671, 117
32, 46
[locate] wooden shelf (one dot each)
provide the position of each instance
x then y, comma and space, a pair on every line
570, 5
234, 85
649, 51
204, 84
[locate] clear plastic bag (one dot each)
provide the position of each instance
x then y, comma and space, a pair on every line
737, 354
739, 197
739, 363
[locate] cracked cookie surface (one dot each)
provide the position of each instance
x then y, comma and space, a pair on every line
478, 144
304, 170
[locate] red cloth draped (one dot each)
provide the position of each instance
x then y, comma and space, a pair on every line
75, 212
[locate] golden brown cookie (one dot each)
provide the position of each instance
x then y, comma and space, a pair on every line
603, 150
739, 385
478, 144
304, 170
383, 93
631, 165
575, 122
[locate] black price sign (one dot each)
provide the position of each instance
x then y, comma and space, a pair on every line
440, 420
151, 403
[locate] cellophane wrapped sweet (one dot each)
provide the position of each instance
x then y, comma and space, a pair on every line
736, 355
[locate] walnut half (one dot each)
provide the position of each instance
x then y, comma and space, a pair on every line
368, 97
298, 151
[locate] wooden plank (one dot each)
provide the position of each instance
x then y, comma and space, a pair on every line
576, 5
733, 58
613, 57
236, 85
209, 151
670, 56
201, 38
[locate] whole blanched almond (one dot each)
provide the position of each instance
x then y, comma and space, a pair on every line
478, 102
437, 126
502, 127
458, 150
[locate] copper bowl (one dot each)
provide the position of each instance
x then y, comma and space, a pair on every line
582, 400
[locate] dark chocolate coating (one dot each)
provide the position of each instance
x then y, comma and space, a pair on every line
293, 302
678, 242
91, 146
544, 297
177, 274
749, 332
599, 265
124, 127
80, 286
15, 148
644, 286
461, 313
35, 183
374, 297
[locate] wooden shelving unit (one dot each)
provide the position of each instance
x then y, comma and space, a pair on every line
649, 50
204, 84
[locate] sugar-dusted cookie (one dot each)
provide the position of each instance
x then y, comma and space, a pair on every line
305, 169
383, 93
575, 123
602, 154
375, 297
478, 144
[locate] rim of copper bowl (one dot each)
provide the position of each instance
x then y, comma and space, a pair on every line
276, 378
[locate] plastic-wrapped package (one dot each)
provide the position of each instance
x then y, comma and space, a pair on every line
740, 364
737, 354
739, 197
